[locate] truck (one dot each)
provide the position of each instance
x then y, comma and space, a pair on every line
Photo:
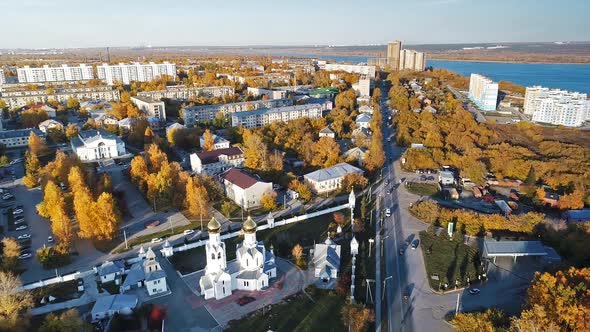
504, 207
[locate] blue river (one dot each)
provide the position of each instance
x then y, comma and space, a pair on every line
573, 77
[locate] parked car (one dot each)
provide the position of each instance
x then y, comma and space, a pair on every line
415, 244
50, 239
17, 211
22, 227
7, 196
188, 231
25, 256
401, 251
19, 221
157, 240
474, 291
387, 212
24, 236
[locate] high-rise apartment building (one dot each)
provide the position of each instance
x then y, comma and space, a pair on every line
54, 74
483, 92
558, 107
411, 60
138, 72
393, 54
2, 78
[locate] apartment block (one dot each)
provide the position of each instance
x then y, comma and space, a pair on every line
355, 69
134, 72
2, 77
150, 107
182, 92
558, 107
18, 98
63, 73
411, 60
483, 92
203, 113
263, 117
393, 54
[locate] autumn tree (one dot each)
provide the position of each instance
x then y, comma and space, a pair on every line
573, 201
326, 152
208, 141
72, 131
269, 200
72, 103
37, 145
10, 252
156, 158
53, 207
197, 198
487, 321
357, 317
106, 217
139, 172
68, 321
32, 168
375, 156
13, 303
301, 188
353, 181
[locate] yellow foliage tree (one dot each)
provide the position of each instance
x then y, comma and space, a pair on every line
208, 141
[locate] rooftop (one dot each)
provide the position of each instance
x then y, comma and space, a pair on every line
514, 248
239, 178
145, 99
209, 157
334, 172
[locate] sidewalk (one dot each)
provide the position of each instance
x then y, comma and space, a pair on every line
90, 295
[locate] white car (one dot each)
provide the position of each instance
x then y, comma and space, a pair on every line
157, 240
17, 211
387, 212
25, 256
19, 221
188, 231
21, 227
7, 196
24, 237
50, 239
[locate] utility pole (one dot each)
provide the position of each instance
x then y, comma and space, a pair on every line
125, 236
171, 227
457, 308
384, 284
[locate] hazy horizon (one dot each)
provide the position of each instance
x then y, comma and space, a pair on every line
160, 23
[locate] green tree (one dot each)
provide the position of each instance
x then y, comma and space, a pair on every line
68, 321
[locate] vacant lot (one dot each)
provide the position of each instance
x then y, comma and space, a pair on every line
450, 260
422, 189
297, 313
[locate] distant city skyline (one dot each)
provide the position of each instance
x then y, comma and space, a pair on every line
67, 24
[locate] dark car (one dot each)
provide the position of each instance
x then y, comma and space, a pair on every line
415, 244
401, 251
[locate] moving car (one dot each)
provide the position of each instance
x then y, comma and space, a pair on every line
188, 231
415, 244
24, 236
25, 256
474, 291
50, 239
17, 211
387, 212
22, 227
157, 239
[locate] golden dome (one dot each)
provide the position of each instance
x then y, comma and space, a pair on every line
213, 226
249, 225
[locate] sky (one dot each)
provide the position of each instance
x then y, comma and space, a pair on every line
83, 23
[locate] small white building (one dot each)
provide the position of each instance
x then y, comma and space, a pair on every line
326, 260
329, 179
111, 271
217, 161
446, 178
327, 132
363, 120
107, 306
104, 120
150, 106
174, 126
50, 124
94, 145
146, 273
218, 142
244, 189
357, 154
366, 109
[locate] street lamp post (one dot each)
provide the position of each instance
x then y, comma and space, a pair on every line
384, 284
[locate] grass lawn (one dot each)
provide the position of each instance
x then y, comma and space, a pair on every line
283, 239
106, 246
449, 259
110, 287
63, 291
297, 313
422, 189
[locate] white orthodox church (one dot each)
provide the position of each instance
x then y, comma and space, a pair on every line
252, 269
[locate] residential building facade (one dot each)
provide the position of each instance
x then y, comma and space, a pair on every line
134, 72
182, 92
218, 142
150, 106
196, 114
18, 98
393, 54
483, 92
355, 69
263, 117
329, 179
411, 60
18, 138
63, 73
217, 161
558, 107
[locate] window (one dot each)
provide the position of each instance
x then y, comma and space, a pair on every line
154, 290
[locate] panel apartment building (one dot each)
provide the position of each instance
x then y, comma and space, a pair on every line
18, 98
182, 92
63, 73
263, 117
354, 69
138, 72
203, 113
401, 59
558, 107
483, 92
152, 108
